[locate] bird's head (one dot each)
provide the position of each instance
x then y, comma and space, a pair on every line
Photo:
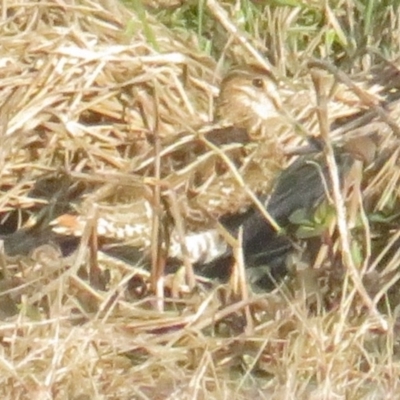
248, 99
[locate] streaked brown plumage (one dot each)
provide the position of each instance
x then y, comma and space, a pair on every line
248, 101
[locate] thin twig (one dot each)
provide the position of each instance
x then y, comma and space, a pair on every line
157, 262
242, 281
95, 278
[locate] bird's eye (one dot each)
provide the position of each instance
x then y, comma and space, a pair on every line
257, 82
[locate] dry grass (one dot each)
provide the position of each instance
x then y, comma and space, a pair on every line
87, 88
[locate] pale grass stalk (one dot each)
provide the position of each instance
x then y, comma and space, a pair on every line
395, 238
242, 288
157, 261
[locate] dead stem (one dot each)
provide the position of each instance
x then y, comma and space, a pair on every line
157, 258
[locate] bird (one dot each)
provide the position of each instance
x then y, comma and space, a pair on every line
247, 111
247, 104
248, 121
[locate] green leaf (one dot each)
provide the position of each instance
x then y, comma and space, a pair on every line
299, 217
356, 252
307, 232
